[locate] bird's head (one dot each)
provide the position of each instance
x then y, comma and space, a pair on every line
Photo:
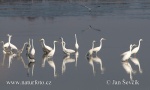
42, 39
103, 39
141, 39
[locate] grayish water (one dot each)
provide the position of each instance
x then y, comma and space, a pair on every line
121, 22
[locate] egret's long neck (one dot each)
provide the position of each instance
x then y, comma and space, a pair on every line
44, 42
9, 39
54, 46
32, 44
130, 48
92, 45
100, 44
2, 42
75, 38
23, 46
139, 43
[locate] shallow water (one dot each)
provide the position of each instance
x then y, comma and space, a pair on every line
121, 23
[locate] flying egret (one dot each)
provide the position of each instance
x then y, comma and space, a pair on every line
136, 49
76, 43
96, 49
46, 49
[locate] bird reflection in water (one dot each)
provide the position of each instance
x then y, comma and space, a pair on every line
11, 55
128, 68
51, 63
96, 59
136, 62
67, 59
76, 58
31, 66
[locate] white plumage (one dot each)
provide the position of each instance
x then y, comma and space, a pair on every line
76, 43
136, 49
96, 49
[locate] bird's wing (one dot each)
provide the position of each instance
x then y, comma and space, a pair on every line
48, 47
13, 46
124, 53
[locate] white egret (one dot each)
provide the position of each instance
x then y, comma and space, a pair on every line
6, 50
136, 62
65, 50
12, 46
76, 43
90, 52
127, 54
21, 50
136, 49
68, 51
96, 49
28, 47
46, 49
51, 54
32, 50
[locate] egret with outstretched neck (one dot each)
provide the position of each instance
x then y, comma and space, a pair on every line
96, 49
46, 48
51, 54
127, 54
76, 43
90, 52
136, 49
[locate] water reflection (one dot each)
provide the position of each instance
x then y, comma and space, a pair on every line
32, 10
31, 66
76, 58
66, 60
51, 63
128, 68
98, 60
136, 62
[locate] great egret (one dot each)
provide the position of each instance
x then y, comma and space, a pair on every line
96, 49
65, 50
76, 43
6, 50
68, 51
90, 52
51, 54
12, 46
46, 49
31, 54
136, 49
127, 54
136, 62
28, 47
32, 50
21, 50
